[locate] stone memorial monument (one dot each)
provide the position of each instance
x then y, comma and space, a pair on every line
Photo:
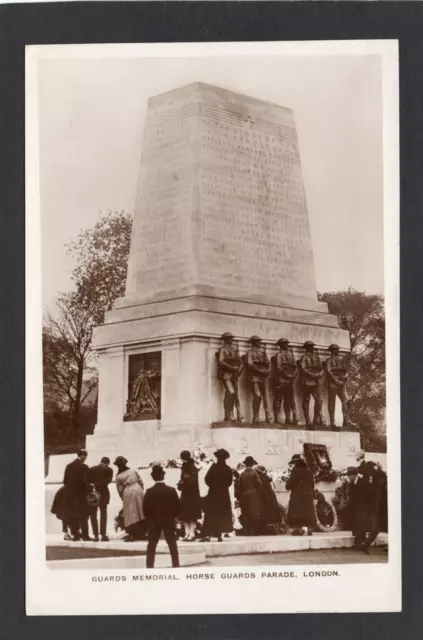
220, 245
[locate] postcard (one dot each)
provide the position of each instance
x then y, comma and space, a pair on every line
212, 255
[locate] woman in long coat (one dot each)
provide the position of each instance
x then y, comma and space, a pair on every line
249, 495
217, 504
190, 509
131, 489
301, 515
271, 509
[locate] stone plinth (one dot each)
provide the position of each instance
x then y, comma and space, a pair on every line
233, 424
191, 393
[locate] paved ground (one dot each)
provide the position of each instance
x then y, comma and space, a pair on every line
319, 556
71, 553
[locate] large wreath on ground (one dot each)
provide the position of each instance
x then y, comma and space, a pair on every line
326, 516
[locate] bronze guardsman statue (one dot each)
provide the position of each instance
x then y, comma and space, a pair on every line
336, 382
284, 374
258, 369
311, 370
230, 367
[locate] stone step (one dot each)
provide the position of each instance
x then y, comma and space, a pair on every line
162, 561
238, 545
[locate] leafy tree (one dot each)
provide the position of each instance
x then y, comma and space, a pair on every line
363, 316
101, 255
69, 363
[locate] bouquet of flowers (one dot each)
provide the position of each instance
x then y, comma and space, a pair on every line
277, 475
200, 456
236, 515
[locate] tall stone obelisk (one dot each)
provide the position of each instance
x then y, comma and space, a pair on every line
221, 209
220, 242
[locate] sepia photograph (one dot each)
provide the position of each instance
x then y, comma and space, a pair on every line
212, 328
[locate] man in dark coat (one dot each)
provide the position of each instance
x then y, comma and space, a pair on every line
161, 508
362, 500
379, 505
75, 502
249, 493
100, 476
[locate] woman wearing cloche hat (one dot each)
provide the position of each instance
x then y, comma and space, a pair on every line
301, 515
190, 509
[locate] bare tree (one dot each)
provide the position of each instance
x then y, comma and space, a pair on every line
70, 374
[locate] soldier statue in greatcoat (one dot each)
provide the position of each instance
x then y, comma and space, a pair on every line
284, 374
258, 369
336, 384
230, 367
311, 370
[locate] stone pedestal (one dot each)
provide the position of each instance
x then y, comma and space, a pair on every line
187, 334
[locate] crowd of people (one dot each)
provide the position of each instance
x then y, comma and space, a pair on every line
147, 514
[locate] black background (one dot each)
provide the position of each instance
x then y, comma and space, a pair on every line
99, 22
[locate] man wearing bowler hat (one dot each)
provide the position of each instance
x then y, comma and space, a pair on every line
161, 508
258, 369
311, 373
100, 476
230, 367
284, 373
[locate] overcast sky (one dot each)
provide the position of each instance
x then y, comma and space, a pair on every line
92, 114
